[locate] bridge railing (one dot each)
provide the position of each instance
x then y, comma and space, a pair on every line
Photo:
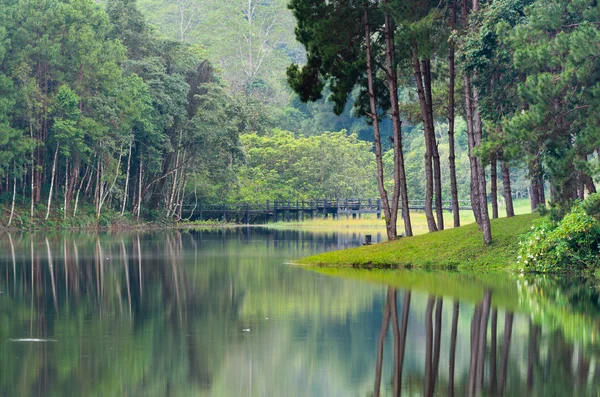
349, 204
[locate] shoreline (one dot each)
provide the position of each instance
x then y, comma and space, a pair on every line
452, 249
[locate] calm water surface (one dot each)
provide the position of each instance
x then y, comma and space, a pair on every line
222, 313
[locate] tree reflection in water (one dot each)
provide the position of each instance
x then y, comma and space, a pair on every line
485, 376
161, 314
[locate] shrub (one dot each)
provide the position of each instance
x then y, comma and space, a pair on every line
571, 244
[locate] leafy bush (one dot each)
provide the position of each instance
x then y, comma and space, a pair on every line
571, 244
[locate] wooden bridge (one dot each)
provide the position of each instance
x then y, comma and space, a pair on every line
299, 210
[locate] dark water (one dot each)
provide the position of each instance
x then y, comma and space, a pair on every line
222, 314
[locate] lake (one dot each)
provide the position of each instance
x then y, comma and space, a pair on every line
224, 313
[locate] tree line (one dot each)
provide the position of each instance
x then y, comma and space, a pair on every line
522, 74
98, 107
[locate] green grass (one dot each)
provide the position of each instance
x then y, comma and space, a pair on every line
418, 220
461, 248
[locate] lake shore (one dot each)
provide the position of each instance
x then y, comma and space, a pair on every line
86, 220
453, 249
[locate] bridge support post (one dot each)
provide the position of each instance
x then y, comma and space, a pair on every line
200, 216
275, 211
378, 208
247, 214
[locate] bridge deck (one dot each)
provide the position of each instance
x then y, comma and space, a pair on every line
278, 210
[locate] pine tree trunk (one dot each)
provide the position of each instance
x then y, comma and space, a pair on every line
536, 197
589, 183
510, 211
390, 226
400, 188
483, 206
451, 118
52, 181
428, 153
475, 140
437, 173
494, 186
474, 191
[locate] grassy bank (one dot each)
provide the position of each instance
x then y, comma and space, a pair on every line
460, 248
86, 219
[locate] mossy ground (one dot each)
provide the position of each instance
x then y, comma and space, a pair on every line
461, 248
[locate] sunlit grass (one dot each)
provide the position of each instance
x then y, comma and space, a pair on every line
460, 248
418, 220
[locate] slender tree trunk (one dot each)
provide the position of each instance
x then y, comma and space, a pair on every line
139, 201
536, 198
451, 119
32, 175
437, 173
81, 183
494, 187
390, 226
12, 207
510, 211
66, 190
589, 183
175, 180
481, 195
52, 181
109, 190
428, 152
474, 191
400, 188
126, 191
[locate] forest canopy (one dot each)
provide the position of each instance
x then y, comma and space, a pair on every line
141, 107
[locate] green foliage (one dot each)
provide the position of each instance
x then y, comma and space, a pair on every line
281, 167
571, 244
555, 52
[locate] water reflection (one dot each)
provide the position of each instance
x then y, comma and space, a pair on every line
179, 313
538, 363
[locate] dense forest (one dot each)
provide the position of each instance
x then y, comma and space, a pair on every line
140, 107
527, 71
